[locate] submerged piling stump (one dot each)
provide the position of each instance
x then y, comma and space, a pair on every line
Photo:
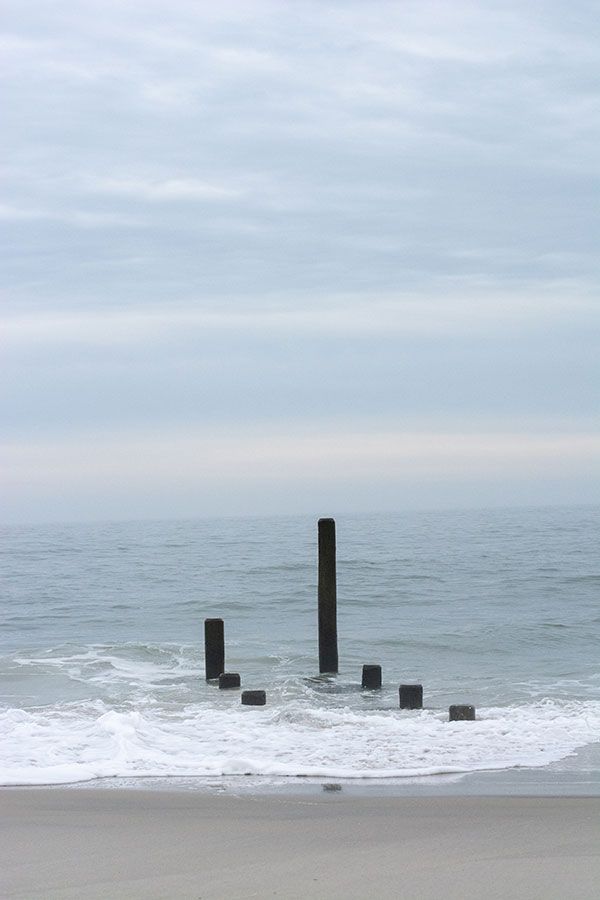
229, 680
411, 696
254, 698
461, 713
214, 648
327, 597
371, 677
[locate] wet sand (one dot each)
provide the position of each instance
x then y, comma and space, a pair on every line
127, 844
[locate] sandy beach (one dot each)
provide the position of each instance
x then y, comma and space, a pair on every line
131, 844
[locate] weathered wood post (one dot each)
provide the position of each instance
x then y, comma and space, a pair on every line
229, 680
214, 648
461, 713
254, 698
371, 677
411, 696
327, 595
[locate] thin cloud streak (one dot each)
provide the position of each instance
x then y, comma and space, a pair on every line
457, 314
120, 476
352, 454
170, 189
393, 453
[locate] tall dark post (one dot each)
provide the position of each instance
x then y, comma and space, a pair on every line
328, 650
214, 648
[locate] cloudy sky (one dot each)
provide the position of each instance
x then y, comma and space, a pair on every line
270, 257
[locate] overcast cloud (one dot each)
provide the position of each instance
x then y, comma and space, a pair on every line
294, 256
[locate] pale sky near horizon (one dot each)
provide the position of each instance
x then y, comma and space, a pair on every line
280, 257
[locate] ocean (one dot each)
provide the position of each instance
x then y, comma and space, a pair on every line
102, 657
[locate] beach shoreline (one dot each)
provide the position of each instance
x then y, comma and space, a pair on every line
59, 844
577, 775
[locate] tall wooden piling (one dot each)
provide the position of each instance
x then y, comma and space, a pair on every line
214, 648
328, 649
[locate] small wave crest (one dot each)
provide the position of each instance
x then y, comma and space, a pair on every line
84, 741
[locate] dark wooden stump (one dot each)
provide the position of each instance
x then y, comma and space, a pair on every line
411, 696
229, 680
371, 677
461, 713
254, 698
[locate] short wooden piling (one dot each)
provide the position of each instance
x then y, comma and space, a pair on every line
371, 677
461, 713
327, 597
229, 680
254, 698
411, 696
214, 648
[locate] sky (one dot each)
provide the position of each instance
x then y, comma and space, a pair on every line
298, 257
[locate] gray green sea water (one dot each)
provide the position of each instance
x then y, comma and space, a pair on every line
102, 669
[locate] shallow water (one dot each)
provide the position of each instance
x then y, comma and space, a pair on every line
101, 666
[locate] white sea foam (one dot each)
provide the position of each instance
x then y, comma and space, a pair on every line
85, 741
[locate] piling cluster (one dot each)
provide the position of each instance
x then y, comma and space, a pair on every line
214, 664
410, 695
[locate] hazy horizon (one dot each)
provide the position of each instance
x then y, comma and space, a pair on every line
339, 514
